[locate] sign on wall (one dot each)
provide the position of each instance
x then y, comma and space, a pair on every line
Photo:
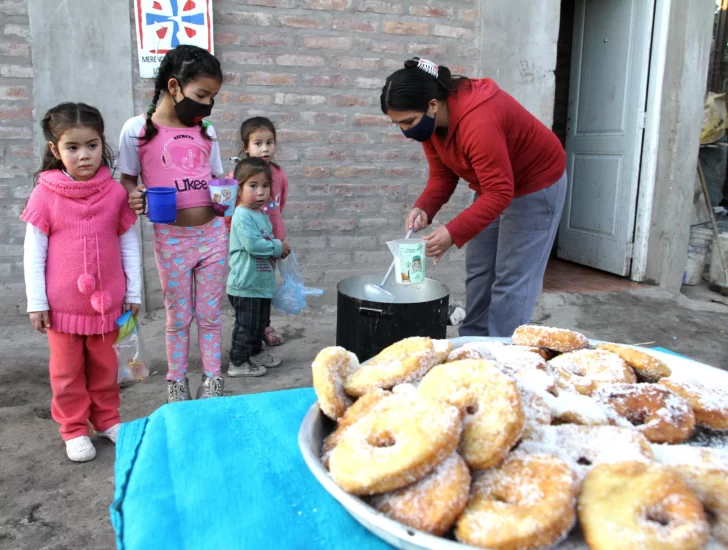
165, 24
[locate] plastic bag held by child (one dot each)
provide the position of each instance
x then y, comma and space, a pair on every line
290, 297
129, 350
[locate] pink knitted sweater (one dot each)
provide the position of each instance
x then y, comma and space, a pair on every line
83, 221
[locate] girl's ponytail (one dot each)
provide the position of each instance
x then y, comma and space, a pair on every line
150, 130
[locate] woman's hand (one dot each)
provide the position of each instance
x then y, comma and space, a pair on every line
437, 243
417, 219
41, 321
137, 200
286, 250
134, 308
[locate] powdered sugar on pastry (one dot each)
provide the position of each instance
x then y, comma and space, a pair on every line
556, 339
583, 447
433, 503
710, 404
585, 370
406, 361
330, 368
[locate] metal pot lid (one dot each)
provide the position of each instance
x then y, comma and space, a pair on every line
428, 291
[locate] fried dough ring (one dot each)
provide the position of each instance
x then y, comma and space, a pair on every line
330, 368
706, 471
397, 443
433, 503
490, 403
648, 368
406, 361
710, 405
353, 414
527, 502
555, 339
585, 370
633, 505
574, 408
661, 415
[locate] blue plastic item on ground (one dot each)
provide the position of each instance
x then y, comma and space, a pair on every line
226, 473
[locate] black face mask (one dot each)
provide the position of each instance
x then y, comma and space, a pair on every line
422, 131
190, 112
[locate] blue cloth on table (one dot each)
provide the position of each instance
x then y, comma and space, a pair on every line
226, 473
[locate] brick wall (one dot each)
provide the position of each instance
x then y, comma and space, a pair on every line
316, 68
18, 156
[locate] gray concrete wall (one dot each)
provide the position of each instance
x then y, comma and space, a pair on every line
689, 39
518, 41
90, 63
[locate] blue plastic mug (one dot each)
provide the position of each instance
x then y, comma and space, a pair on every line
161, 204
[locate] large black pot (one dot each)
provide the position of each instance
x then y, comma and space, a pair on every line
366, 327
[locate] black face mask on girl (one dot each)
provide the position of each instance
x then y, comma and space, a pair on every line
190, 112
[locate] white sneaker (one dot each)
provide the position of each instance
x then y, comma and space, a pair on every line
112, 433
246, 369
80, 449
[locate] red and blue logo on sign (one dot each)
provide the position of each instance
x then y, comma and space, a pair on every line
166, 24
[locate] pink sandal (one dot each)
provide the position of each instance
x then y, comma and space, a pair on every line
272, 338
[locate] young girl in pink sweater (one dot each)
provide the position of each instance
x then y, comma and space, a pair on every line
82, 270
258, 139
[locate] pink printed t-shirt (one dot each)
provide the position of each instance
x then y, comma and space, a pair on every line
181, 158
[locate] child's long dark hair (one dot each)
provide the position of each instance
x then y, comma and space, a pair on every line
62, 118
184, 64
252, 125
246, 169
412, 89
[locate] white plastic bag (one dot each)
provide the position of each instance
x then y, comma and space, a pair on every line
129, 351
290, 297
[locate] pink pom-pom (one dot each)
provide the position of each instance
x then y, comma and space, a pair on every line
101, 301
86, 283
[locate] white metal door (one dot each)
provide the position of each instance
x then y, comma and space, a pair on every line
609, 70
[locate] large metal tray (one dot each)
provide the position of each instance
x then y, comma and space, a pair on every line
315, 427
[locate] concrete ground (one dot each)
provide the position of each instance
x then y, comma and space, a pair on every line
48, 502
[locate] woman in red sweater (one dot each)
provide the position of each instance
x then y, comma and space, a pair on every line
473, 130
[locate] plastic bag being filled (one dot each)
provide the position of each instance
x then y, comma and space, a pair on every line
290, 297
129, 351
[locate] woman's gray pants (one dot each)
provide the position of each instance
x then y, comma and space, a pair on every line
505, 263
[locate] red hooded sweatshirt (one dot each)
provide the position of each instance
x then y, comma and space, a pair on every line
498, 147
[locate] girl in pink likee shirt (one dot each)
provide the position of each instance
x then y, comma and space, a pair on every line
258, 138
82, 269
171, 146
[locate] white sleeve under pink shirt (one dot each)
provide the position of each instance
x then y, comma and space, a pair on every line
35, 253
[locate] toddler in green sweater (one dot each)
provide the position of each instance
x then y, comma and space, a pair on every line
252, 280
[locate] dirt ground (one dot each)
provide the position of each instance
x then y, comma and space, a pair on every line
48, 502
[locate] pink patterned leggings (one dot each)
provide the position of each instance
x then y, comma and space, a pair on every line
191, 263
